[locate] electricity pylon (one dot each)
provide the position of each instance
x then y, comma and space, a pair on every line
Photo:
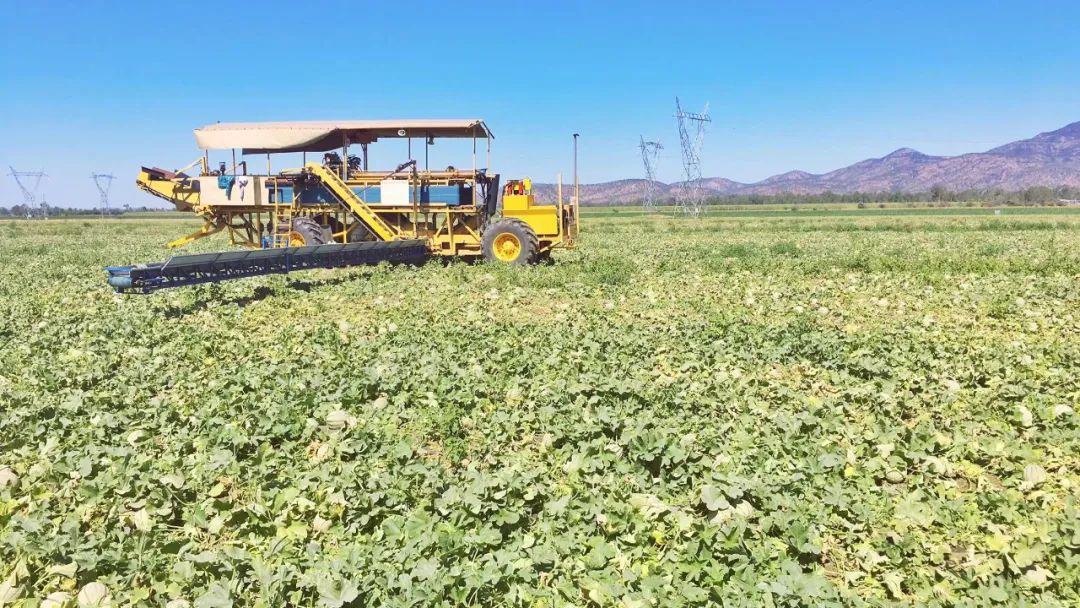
103, 181
649, 151
29, 192
691, 196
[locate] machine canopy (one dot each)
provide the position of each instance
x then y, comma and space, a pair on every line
321, 136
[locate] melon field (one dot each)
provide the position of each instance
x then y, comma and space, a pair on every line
833, 408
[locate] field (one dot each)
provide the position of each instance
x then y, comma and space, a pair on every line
843, 407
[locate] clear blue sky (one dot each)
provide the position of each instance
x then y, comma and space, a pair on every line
96, 86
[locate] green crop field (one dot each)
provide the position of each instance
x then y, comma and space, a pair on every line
779, 408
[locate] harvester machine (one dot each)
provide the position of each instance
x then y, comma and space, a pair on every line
335, 211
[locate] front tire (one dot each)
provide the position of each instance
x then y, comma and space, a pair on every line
509, 241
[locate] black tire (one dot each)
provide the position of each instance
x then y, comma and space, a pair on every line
309, 230
496, 239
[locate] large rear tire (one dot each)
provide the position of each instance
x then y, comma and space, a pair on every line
306, 232
509, 241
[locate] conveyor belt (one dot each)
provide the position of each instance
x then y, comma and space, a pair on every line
213, 267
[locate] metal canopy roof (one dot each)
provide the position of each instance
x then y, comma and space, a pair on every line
320, 136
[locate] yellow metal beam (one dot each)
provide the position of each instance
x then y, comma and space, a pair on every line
207, 229
349, 198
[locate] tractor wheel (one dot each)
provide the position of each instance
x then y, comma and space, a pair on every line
305, 232
510, 241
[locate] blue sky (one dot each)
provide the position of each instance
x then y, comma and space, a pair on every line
109, 86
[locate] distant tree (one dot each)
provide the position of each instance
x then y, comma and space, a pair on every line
938, 193
1038, 194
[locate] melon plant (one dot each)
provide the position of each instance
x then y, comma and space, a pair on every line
742, 410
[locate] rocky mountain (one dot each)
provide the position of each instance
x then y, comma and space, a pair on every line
1048, 159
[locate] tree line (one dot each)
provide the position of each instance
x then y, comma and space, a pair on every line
51, 211
1039, 195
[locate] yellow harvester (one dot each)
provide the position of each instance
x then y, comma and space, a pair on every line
399, 212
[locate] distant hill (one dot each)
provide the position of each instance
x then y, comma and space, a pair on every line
1048, 159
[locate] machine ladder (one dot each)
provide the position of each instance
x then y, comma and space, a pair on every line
352, 202
283, 226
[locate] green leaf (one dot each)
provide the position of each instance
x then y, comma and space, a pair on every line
216, 596
714, 499
336, 593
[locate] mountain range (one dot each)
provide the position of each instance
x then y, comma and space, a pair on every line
1048, 159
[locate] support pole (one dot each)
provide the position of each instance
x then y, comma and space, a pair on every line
577, 191
258, 215
559, 206
344, 157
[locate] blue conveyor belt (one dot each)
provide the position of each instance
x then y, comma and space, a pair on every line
183, 270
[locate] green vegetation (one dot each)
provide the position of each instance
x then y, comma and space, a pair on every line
938, 195
826, 409
50, 211
824, 210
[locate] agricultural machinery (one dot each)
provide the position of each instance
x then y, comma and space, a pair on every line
337, 212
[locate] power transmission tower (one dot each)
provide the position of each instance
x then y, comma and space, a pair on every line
103, 181
29, 192
691, 196
649, 151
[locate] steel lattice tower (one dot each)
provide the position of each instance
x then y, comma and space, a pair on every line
649, 151
103, 181
691, 196
29, 192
